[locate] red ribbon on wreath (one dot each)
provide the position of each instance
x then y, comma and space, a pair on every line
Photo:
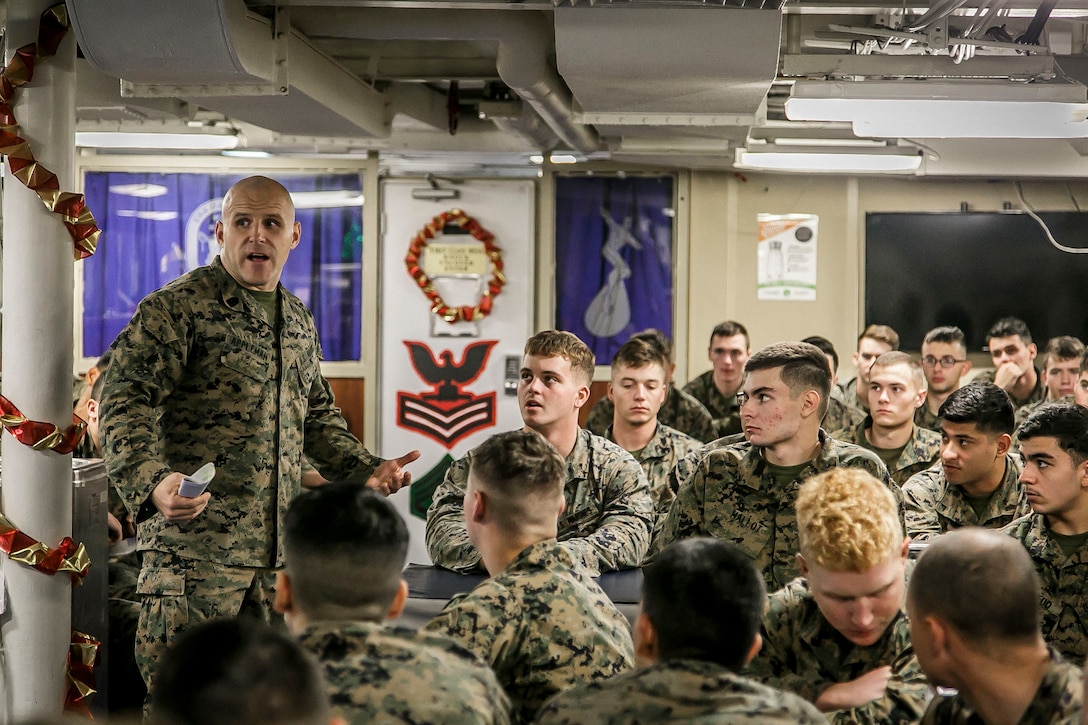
463, 313
38, 435
68, 557
71, 208
83, 656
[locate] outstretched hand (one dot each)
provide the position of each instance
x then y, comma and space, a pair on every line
391, 476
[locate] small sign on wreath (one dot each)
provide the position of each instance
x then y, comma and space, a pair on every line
462, 313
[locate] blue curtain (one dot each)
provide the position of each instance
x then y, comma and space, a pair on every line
613, 250
156, 227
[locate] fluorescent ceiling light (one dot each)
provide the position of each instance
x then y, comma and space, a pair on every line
917, 109
825, 161
155, 216
326, 199
247, 154
563, 159
159, 141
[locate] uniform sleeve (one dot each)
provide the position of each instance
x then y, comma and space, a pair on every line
622, 537
776, 663
904, 700
685, 516
149, 358
919, 506
486, 621
336, 453
447, 537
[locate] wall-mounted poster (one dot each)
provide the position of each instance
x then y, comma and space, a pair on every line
613, 258
787, 256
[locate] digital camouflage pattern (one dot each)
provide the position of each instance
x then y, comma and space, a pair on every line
934, 506
804, 654
606, 525
1037, 394
850, 397
685, 467
176, 593
543, 625
375, 673
679, 691
200, 375
724, 410
733, 496
680, 412
1023, 412
923, 418
1064, 598
922, 450
1058, 701
839, 415
658, 459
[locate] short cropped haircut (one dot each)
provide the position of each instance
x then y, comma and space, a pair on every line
659, 340
897, 357
804, 367
881, 333
522, 472
1009, 327
230, 671
848, 521
638, 353
982, 403
1065, 422
102, 366
705, 598
1065, 347
947, 334
825, 347
1084, 363
981, 582
345, 547
729, 328
559, 343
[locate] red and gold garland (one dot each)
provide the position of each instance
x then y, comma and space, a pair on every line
71, 208
463, 313
38, 435
68, 557
82, 659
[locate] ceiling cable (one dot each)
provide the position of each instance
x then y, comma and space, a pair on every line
1046, 230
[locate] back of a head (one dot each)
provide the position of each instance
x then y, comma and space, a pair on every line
1065, 347
638, 353
238, 672
804, 367
947, 334
1009, 327
730, 328
345, 548
981, 582
705, 598
848, 521
658, 340
982, 403
522, 475
881, 333
102, 365
1065, 422
567, 345
826, 347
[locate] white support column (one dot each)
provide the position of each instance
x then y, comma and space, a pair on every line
36, 494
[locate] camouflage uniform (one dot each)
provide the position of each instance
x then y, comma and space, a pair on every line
659, 458
839, 414
542, 624
923, 418
1037, 394
725, 411
1064, 599
850, 396
686, 466
200, 375
678, 691
1023, 412
734, 496
680, 412
921, 451
384, 674
606, 525
934, 506
803, 653
1056, 702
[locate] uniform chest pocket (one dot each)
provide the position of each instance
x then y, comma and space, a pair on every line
248, 362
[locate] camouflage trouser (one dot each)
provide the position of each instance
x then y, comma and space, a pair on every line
178, 593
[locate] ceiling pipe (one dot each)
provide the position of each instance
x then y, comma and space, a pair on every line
525, 40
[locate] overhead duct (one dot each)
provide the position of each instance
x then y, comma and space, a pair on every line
275, 80
524, 39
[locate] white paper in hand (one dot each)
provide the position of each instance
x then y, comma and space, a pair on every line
194, 485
